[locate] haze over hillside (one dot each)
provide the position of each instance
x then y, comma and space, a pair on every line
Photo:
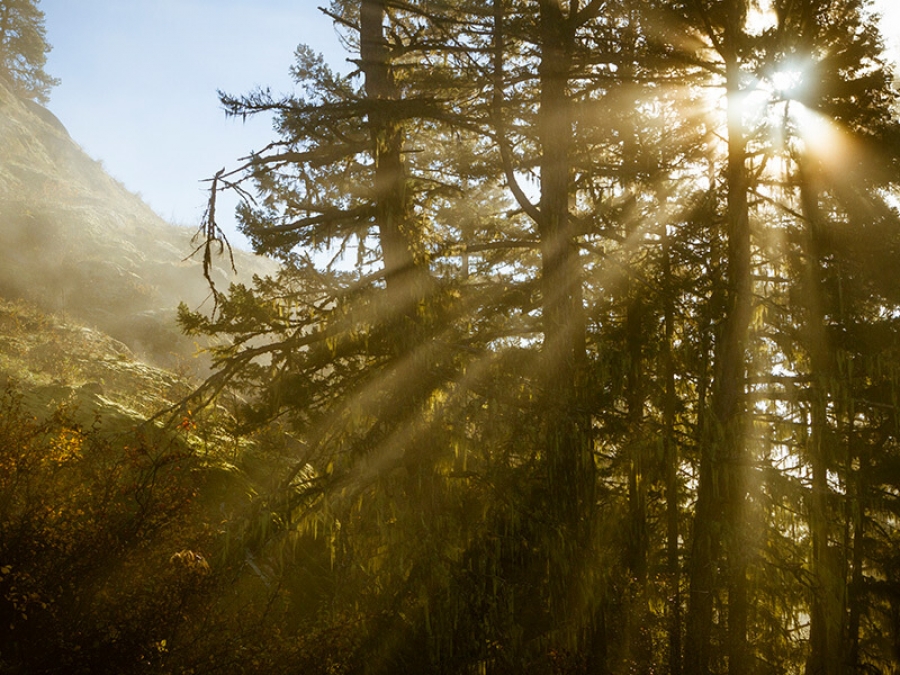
74, 240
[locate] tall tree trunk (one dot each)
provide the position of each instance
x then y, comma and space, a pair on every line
826, 634
636, 648
403, 277
570, 472
720, 519
730, 408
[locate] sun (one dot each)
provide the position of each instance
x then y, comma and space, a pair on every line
778, 105
787, 82
774, 95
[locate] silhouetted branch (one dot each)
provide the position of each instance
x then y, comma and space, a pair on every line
211, 236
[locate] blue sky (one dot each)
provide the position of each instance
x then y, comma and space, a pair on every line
139, 81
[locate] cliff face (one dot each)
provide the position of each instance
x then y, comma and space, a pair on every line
74, 240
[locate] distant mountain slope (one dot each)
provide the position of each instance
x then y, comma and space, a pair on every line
74, 240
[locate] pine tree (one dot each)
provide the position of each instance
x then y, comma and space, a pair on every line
849, 87
23, 49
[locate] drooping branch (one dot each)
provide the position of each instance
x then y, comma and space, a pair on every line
210, 236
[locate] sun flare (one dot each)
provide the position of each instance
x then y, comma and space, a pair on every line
787, 82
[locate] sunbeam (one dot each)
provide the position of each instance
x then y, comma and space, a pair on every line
578, 352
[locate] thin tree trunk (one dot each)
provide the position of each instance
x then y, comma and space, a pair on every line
637, 651
670, 452
855, 592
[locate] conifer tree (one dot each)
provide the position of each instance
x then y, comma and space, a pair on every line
23, 49
843, 87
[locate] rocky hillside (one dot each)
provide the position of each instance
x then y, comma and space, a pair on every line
56, 362
74, 240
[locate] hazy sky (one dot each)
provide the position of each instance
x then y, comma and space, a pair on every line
139, 81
